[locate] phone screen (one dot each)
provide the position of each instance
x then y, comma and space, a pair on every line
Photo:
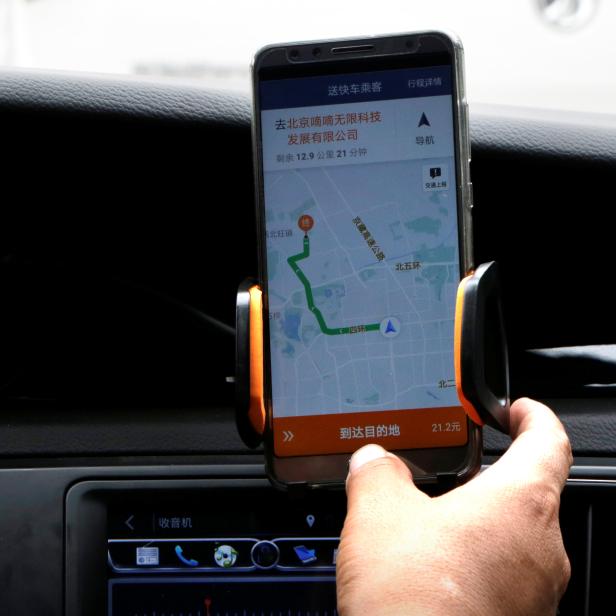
363, 260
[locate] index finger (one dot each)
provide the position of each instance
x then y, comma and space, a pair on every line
540, 451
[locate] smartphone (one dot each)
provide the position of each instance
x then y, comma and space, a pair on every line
361, 151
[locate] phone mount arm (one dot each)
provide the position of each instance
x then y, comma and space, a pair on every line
480, 349
249, 405
480, 355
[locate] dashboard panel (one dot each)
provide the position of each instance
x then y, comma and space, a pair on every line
131, 226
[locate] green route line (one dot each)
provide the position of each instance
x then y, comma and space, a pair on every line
292, 261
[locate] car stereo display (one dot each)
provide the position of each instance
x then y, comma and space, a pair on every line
226, 553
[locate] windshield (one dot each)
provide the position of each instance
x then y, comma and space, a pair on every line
555, 54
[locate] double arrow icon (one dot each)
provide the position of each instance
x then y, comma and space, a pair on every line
287, 436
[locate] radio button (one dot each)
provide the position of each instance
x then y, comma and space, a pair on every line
265, 555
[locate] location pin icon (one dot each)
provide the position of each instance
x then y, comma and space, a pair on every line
310, 520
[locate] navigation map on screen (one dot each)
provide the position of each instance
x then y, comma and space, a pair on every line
362, 260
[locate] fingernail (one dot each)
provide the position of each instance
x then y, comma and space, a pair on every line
364, 455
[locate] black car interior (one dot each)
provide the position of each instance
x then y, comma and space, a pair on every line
126, 227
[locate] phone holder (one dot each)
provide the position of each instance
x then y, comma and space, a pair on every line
480, 354
249, 405
480, 349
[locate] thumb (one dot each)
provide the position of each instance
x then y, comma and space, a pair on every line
378, 479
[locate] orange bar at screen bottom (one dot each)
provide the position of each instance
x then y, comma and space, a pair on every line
346, 432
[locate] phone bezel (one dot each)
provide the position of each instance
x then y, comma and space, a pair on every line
400, 50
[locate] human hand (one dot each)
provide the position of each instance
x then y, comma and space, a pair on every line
490, 547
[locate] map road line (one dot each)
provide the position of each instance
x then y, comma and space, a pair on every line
292, 261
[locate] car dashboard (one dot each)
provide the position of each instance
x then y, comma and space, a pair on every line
127, 226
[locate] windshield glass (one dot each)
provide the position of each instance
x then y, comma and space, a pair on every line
556, 54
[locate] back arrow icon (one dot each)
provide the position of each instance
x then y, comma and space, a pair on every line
128, 522
287, 436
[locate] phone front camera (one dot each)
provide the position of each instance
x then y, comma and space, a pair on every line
316, 52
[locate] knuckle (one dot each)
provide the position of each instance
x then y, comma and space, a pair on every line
563, 444
549, 501
566, 445
566, 571
541, 500
562, 569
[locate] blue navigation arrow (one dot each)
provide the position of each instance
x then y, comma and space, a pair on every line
390, 329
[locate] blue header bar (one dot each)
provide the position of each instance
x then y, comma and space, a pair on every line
355, 87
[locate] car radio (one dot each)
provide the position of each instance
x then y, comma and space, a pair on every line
216, 548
